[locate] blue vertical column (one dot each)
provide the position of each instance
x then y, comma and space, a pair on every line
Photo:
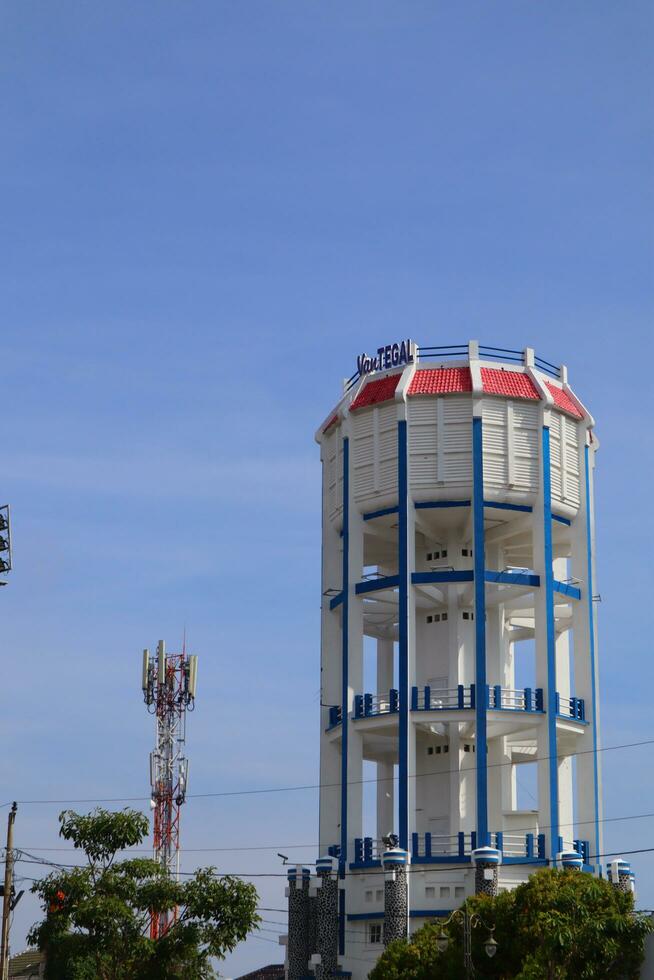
591, 627
480, 631
551, 643
403, 634
344, 682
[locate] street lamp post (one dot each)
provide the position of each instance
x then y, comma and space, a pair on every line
470, 921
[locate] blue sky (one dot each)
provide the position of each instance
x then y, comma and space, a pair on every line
208, 210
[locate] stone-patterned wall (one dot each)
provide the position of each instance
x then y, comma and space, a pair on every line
298, 923
327, 924
486, 885
396, 905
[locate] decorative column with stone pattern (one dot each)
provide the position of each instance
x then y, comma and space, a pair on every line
486, 861
326, 961
620, 875
396, 894
299, 949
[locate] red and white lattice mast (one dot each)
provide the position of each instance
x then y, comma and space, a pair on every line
169, 683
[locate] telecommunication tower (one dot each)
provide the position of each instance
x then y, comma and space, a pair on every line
169, 683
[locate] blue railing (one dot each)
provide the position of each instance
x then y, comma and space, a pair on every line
335, 715
508, 699
370, 705
570, 708
439, 699
453, 848
436, 848
456, 351
498, 698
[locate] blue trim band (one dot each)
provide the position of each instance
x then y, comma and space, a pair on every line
524, 508
434, 504
480, 630
422, 578
551, 643
371, 515
336, 601
561, 520
591, 616
377, 584
345, 648
512, 578
564, 589
437, 504
403, 634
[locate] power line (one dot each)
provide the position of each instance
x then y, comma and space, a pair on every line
314, 786
370, 871
270, 847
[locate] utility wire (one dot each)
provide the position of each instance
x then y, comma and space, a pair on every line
370, 871
313, 786
271, 847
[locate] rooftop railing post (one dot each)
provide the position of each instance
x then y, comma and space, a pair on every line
427, 697
528, 699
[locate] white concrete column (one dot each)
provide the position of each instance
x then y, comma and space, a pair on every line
355, 680
541, 650
330, 677
586, 672
385, 799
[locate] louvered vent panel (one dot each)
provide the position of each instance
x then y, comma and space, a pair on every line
495, 470
364, 482
387, 451
525, 445
494, 439
423, 470
334, 475
526, 472
421, 410
457, 468
422, 414
457, 409
494, 410
525, 414
457, 440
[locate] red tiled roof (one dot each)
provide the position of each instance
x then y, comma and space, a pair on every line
375, 391
333, 420
563, 400
513, 384
440, 381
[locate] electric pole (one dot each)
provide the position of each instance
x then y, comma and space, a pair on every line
6, 898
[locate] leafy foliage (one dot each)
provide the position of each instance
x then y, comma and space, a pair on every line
98, 914
559, 925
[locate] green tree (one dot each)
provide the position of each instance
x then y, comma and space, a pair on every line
558, 925
97, 924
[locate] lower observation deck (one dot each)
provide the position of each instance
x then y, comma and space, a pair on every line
455, 704
526, 848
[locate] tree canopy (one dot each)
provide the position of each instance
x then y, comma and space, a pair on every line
97, 922
558, 925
